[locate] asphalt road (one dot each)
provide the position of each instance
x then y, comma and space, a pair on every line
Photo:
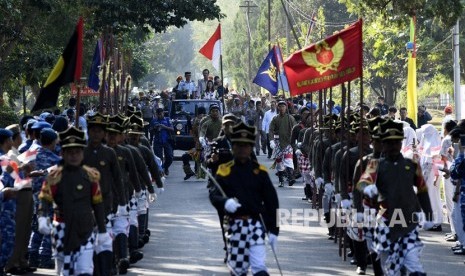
186, 237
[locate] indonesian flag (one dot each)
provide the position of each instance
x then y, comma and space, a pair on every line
28, 156
327, 63
212, 49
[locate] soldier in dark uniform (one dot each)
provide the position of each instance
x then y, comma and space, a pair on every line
250, 201
221, 154
74, 191
103, 158
396, 238
131, 186
134, 134
349, 159
371, 161
145, 182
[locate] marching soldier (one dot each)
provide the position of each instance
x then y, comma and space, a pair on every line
396, 238
103, 158
74, 191
221, 154
349, 159
368, 166
280, 137
135, 132
131, 185
249, 200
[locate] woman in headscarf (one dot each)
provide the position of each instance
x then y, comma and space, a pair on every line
430, 162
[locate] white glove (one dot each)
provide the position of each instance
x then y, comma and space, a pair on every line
142, 205
345, 204
163, 180
159, 191
424, 224
371, 191
272, 144
298, 152
45, 227
337, 198
203, 141
123, 210
104, 242
273, 241
231, 205
153, 197
299, 145
329, 188
319, 182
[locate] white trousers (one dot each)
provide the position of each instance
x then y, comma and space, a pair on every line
434, 193
83, 261
457, 218
257, 257
449, 190
411, 262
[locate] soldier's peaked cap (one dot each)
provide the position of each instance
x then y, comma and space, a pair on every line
72, 138
243, 133
374, 128
282, 102
229, 118
97, 119
116, 123
390, 130
136, 125
132, 110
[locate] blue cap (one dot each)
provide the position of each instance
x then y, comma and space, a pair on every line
48, 133
40, 125
44, 115
30, 123
311, 106
5, 133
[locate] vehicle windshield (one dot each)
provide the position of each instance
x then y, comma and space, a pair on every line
181, 109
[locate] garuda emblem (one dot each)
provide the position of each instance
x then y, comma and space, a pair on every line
271, 72
325, 58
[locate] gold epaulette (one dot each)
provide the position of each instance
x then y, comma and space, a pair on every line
54, 176
225, 169
94, 174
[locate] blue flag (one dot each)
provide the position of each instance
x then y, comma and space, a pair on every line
267, 75
282, 79
94, 80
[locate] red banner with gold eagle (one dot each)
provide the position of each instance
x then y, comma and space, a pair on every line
327, 63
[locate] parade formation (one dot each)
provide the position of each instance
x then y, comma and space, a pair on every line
80, 183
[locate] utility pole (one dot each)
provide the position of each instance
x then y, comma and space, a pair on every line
457, 92
249, 5
269, 24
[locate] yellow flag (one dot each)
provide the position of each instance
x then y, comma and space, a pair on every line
412, 105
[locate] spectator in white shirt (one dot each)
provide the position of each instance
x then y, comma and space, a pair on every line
266, 124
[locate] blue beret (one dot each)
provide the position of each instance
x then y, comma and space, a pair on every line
30, 123
49, 133
5, 133
44, 115
311, 105
40, 125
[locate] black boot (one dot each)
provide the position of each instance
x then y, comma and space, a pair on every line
133, 240
142, 220
377, 269
105, 263
281, 178
120, 245
290, 176
188, 171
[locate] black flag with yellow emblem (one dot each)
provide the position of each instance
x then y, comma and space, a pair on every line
267, 75
68, 69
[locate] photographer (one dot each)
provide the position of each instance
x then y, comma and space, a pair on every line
161, 130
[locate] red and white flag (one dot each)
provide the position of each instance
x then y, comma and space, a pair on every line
212, 49
28, 156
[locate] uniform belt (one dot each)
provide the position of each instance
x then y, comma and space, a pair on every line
241, 217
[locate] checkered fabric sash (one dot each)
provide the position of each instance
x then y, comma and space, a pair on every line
71, 258
304, 164
398, 249
242, 234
